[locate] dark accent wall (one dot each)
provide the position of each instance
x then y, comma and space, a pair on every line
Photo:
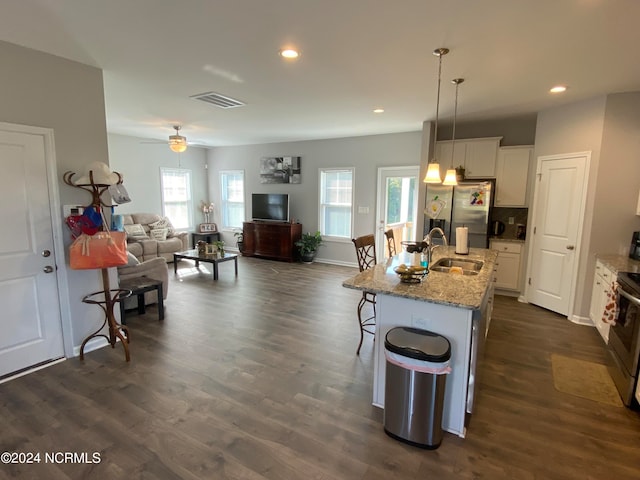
514, 130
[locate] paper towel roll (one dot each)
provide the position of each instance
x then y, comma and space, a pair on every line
462, 240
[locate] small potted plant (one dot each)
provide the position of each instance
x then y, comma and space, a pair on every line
308, 246
219, 244
239, 234
460, 170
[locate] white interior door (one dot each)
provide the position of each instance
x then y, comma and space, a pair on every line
397, 205
31, 321
559, 210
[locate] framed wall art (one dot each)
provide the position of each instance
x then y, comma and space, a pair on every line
207, 228
280, 170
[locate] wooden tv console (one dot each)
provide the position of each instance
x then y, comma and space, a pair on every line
274, 240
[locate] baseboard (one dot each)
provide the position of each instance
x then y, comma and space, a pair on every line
580, 320
336, 262
506, 293
522, 299
93, 344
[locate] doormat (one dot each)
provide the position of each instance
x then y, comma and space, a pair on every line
584, 379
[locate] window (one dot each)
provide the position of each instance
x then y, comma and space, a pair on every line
232, 193
176, 197
336, 200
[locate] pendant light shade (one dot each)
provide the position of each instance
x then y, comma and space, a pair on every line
450, 178
433, 170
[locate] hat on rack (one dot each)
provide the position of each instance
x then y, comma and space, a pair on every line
102, 175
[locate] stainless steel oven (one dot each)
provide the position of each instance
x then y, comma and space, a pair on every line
624, 337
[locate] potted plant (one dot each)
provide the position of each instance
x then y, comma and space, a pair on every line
308, 246
460, 170
239, 234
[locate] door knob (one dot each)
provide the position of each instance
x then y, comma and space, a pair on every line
570, 247
48, 269
46, 253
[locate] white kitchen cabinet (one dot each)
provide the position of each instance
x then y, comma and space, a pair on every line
507, 269
477, 155
512, 170
602, 281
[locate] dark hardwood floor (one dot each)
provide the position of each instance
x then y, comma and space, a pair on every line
256, 377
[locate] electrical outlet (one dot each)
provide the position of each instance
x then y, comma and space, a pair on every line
512, 220
72, 210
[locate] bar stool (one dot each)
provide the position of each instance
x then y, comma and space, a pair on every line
391, 242
366, 254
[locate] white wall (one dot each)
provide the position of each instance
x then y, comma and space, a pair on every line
366, 154
47, 91
140, 164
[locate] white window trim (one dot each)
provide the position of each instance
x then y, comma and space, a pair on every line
221, 173
329, 238
189, 201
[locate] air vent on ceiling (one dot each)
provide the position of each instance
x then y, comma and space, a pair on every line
218, 100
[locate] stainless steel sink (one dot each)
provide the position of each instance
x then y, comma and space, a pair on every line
468, 267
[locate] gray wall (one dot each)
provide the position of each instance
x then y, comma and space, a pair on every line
140, 164
47, 91
366, 154
609, 128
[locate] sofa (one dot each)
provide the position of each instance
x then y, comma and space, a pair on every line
150, 236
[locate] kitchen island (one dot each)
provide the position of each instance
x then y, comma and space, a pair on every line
456, 306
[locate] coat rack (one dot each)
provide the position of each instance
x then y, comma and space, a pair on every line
107, 298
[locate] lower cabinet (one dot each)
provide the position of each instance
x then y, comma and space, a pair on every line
507, 271
274, 240
602, 282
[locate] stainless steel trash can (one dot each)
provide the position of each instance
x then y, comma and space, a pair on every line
417, 362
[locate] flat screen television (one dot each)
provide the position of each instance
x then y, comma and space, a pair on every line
270, 207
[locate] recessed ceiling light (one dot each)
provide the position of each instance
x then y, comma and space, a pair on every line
378, 110
289, 53
558, 89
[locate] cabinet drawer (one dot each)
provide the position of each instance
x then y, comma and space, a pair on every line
507, 247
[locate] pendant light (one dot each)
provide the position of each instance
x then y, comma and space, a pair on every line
450, 178
433, 169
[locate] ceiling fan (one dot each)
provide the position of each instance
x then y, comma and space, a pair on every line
177, 143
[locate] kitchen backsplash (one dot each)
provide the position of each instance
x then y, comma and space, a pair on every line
502, 214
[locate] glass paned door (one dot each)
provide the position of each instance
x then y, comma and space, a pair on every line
397, 206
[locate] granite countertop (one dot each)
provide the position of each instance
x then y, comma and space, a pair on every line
619, 263
464, 291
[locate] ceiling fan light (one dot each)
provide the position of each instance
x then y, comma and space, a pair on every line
433, 174
177, 143
450, 177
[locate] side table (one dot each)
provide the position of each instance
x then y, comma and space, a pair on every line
138, 287
208, 237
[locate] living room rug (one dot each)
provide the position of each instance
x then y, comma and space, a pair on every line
584, 379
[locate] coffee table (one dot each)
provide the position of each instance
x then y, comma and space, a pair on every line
213, 259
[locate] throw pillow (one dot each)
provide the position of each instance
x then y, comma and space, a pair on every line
164, 223
136, 231
131, 260
159, 234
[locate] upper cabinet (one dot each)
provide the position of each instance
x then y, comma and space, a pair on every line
476, 155
512, 169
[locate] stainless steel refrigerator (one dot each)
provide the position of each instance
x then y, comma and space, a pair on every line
468, 205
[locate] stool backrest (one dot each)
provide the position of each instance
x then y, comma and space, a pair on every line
365, 251
391, 242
